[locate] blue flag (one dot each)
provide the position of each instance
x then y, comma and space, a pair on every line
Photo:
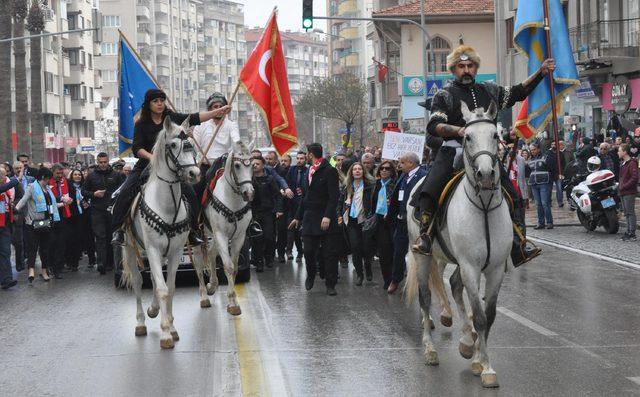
529, 38
134, 83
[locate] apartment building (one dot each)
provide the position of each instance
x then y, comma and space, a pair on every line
350, 50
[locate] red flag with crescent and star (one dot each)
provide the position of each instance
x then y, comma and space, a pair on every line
264, 78
522, 126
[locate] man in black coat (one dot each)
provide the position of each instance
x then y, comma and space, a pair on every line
318, 215
98, 187
297, 179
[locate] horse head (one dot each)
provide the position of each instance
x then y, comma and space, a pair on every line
480, 146
239, 169
179, 155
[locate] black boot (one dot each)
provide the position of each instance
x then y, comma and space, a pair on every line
195, 237
522, 250
118, 238
255, 230
424, 246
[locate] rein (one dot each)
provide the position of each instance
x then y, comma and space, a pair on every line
170, 158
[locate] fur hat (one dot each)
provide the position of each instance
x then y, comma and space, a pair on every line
462, 53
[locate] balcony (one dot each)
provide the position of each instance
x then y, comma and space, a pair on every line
144, 38
162, 29
602, 40
347, 6
143, 13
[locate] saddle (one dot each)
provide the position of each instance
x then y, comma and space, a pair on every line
211, 181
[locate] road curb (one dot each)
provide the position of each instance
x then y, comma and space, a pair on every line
621, 262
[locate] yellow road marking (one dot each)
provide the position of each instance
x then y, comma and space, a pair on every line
252, 376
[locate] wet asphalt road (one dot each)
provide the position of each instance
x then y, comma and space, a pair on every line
567, 325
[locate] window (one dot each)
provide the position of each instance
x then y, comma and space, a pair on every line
441, 49
108, 21
84, 93
90, 61
109, 48
82, 58
73, 57
72, 22
110, 76
509, 27
90, 99
48, 82
80, 22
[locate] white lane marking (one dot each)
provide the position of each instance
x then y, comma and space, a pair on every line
635, 380
526, 322
587, 253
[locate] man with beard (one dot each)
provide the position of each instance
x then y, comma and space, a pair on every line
446, 121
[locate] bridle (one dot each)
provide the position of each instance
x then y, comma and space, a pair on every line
471, 159
235, 184
172, 159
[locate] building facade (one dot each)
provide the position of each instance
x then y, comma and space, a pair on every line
605, 39
69, 81
394, 101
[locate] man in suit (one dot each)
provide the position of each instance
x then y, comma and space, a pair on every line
296, 178
17, 236
27, 170
318, 215
412, 173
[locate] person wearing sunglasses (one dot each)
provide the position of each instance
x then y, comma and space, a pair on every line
386, 177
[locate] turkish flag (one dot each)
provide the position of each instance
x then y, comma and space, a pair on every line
522, 126
264, 78
382, 72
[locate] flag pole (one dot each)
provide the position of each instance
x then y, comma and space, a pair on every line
552, 91
213, 137
153, 77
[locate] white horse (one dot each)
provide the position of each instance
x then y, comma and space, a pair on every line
477, 232
228, 215
160, 226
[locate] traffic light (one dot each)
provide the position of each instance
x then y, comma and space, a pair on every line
307, 14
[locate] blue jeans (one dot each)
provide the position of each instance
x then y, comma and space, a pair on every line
542, 195
6, 274
401, 244
559, 195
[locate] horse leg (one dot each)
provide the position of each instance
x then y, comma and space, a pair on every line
136, 283
154, 309
424, 296
172, 268
162, 295
212, 254
465, 347
229, 269
198, 264
494, 277
446, 315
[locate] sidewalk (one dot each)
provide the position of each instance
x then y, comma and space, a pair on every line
565, 217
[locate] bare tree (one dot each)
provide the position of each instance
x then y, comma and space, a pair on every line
35, 25
341, 97
5, 81
19, 13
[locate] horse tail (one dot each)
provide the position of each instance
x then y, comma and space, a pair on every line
126, 280
411, 283
436, 285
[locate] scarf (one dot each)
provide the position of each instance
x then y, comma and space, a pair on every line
78, 197
381, 207
11, 193
41, 202
64, 190
356, 200
313, 168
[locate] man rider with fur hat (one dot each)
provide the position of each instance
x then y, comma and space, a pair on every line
146, 130
446, 121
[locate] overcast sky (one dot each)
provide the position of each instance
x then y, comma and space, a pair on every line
256, 13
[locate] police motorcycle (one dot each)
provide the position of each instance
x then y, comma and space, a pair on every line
596, 199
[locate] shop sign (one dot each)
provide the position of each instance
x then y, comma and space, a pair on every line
621, 95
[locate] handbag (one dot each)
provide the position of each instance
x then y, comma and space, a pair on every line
370, 223
42, 225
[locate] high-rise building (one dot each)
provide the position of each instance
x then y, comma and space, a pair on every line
349, 49
69, 81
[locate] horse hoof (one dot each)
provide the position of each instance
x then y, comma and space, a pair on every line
175, 336
141, 330
490, 381
205, 303
211, 289
432, 358
234, 310
152, 312
447, 321
167, 343
476, 369
431, 324
465, 351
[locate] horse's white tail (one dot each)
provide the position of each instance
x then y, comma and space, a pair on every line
126, 280
435, 282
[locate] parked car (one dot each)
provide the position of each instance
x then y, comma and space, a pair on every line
186, 269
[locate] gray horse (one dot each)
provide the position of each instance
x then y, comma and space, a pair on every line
477, 233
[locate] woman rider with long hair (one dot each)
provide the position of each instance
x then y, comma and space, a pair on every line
154, 110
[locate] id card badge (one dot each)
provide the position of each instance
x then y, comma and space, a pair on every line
51, 209
401, 195
3, 207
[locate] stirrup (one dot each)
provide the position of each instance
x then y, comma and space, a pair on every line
523, 254
423, 244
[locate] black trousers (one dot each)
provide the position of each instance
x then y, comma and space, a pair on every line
360, 254
130, 189
401, 244
77, 231
294, 236
262, 248
58, 245
18, 240
283, 235
101, 226
384, 242
327, 247
37, 242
